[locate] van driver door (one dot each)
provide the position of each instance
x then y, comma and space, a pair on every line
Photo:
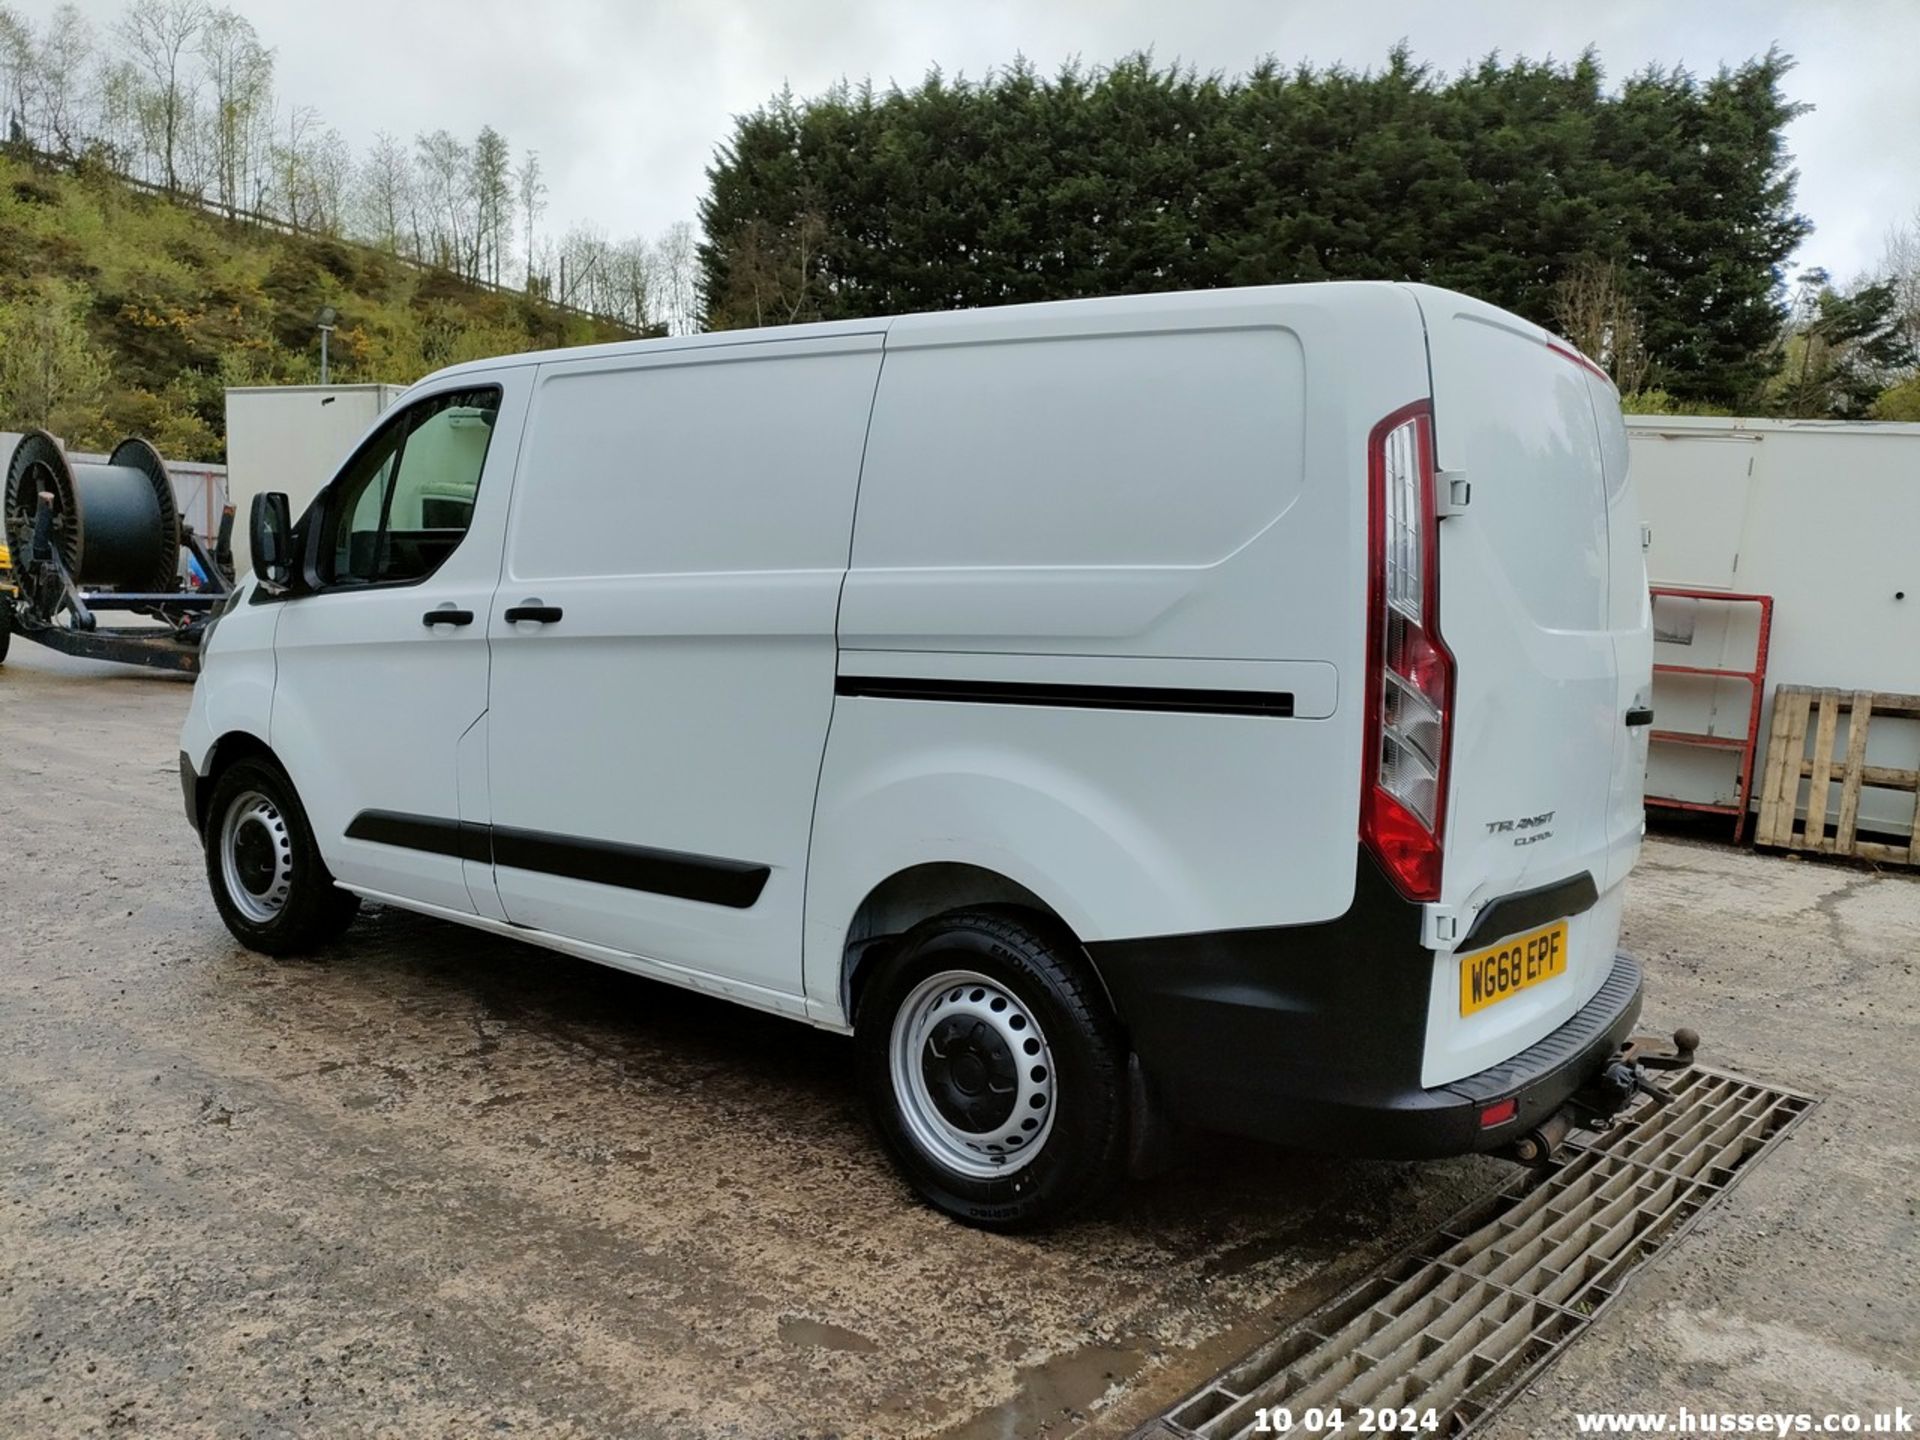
380, 655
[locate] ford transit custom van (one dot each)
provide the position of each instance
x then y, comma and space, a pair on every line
1223, 708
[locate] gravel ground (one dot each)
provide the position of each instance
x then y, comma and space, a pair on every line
1797, 1292
438, 1183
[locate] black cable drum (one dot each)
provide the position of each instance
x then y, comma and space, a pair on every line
116, 526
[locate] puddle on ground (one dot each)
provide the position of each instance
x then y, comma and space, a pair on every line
1053, 1393
802, 1333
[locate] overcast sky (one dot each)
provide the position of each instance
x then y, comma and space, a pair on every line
625, 101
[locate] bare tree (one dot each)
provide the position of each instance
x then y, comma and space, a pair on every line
676, 287
446, 173
384, 193
531, 188
161, 36
116, 119
493, 202
17, 72
329, 169
540, 268
584, 269
1593, 310
629, 292
66, 54
772, 273
1901, 267
290, 161
240, 71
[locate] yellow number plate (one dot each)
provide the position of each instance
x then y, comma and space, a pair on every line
1489, 976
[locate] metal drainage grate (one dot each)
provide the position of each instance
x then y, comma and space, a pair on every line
1462, 1322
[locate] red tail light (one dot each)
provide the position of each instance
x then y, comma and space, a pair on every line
1409, 678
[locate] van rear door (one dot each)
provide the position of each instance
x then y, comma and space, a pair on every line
1526, 606
1630, 616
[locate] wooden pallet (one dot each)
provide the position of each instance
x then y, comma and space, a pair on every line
1798, 709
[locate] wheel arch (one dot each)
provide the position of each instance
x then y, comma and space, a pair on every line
917, 893
226, 752
902, 833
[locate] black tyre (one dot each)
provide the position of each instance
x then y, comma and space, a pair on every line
268, 879
6, 624
995, 1073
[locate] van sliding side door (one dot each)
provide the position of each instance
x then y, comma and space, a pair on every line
663, 648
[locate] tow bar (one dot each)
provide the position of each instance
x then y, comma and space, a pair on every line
1598, 1104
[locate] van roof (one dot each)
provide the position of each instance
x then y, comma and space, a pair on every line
998, 322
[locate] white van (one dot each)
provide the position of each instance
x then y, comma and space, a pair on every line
1225, 708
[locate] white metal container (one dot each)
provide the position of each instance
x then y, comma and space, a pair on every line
1822, 516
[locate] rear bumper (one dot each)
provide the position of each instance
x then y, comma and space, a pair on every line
1417, 1124
1234, 1033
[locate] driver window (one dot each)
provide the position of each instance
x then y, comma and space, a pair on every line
406, 499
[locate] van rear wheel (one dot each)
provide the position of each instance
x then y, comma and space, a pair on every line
994, 1071
268, 880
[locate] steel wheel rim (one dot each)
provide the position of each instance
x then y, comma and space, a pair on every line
256, 857
949, 1017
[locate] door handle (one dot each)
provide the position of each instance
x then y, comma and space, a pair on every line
447, 616
532, 610
1640, 715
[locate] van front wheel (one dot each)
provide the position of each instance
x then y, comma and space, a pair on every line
268, 880
994, 1071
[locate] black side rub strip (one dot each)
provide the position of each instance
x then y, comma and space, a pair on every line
734, 883
1277, 703
422, 832
1524, 910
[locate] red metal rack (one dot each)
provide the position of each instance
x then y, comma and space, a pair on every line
1756, 681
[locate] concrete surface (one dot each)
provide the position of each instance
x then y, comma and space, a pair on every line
1798, 1291
441, 1184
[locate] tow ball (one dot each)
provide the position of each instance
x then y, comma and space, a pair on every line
1598, 1103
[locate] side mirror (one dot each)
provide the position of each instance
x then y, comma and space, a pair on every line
270, 529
